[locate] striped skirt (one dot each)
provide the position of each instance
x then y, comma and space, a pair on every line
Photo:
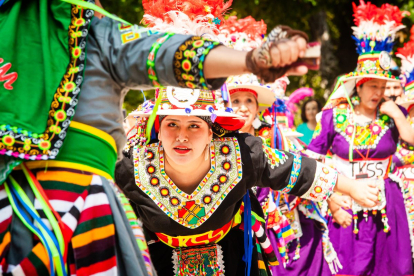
98, 236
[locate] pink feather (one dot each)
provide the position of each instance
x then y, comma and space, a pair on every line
294, 98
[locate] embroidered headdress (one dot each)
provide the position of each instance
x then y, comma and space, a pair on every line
195, 17
245, 34
374, 35
406, 54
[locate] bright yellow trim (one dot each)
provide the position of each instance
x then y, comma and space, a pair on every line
95, 234
97, 132
368, 56
64, 164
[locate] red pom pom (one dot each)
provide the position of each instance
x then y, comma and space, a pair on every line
368, 11
248, 25
192, 8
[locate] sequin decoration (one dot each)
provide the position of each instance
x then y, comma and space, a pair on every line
274, 156
190, 210
323, 183
199, 260
367, 135
294, 174
20, 143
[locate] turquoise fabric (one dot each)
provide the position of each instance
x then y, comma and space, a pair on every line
307, 133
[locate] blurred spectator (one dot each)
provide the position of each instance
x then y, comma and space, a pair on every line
309, 110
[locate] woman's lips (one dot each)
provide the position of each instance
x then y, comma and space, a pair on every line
182, 150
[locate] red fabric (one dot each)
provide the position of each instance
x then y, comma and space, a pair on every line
231, 124
236, 90
362, 81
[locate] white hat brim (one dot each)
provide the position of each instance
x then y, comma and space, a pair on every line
181, 112
350, 83
265, 96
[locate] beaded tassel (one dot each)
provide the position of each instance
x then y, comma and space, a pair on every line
297, 251
365, 215
355, 217
385, 220
374, 212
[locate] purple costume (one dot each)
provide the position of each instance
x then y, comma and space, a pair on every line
382, 244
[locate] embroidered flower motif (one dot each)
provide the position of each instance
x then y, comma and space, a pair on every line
174, 201
154, 181
44, 145
375, 129
222, 178
8, 140
164, 191
349, 129
226, 165
225, 150
209, 194
341, 118
215, 188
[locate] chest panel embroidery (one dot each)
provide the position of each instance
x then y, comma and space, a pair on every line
367, 136
189, 210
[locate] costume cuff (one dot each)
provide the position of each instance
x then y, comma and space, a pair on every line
323, 183
189, 64
314, 155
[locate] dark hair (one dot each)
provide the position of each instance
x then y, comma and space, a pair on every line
303, 114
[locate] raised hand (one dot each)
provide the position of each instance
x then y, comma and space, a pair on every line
273, 59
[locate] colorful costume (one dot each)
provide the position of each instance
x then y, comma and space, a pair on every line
179, 223
379, 241
65, 161
295, 225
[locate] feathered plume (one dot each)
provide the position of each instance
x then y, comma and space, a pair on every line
195, 17
376, 27
406, 54
242, 34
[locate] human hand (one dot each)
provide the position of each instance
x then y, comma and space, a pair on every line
283, 47
365, 194
341, 200
342, 217
391, 109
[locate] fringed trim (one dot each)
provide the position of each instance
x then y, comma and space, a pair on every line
331, 257
409, 205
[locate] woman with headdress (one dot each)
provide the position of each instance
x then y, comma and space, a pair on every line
60, 139
404, 156
363, 133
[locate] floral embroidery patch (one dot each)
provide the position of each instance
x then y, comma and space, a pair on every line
367, 135
189, 62
323, 183
21, 143
189, 210
274, 156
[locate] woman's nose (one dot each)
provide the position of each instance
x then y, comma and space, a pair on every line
243, 107
182, 135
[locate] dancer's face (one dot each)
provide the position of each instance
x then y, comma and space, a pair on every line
311, 109
245, 105
393, 88
184, 138
371, 93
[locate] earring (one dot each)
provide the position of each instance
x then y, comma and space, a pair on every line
206, 153
355, 100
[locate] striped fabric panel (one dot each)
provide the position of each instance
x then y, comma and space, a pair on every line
136, 228
94, 238
5, 220
80, 200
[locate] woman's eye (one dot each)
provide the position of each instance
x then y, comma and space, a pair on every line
172, 125
249, 100
235, 102
194, 126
